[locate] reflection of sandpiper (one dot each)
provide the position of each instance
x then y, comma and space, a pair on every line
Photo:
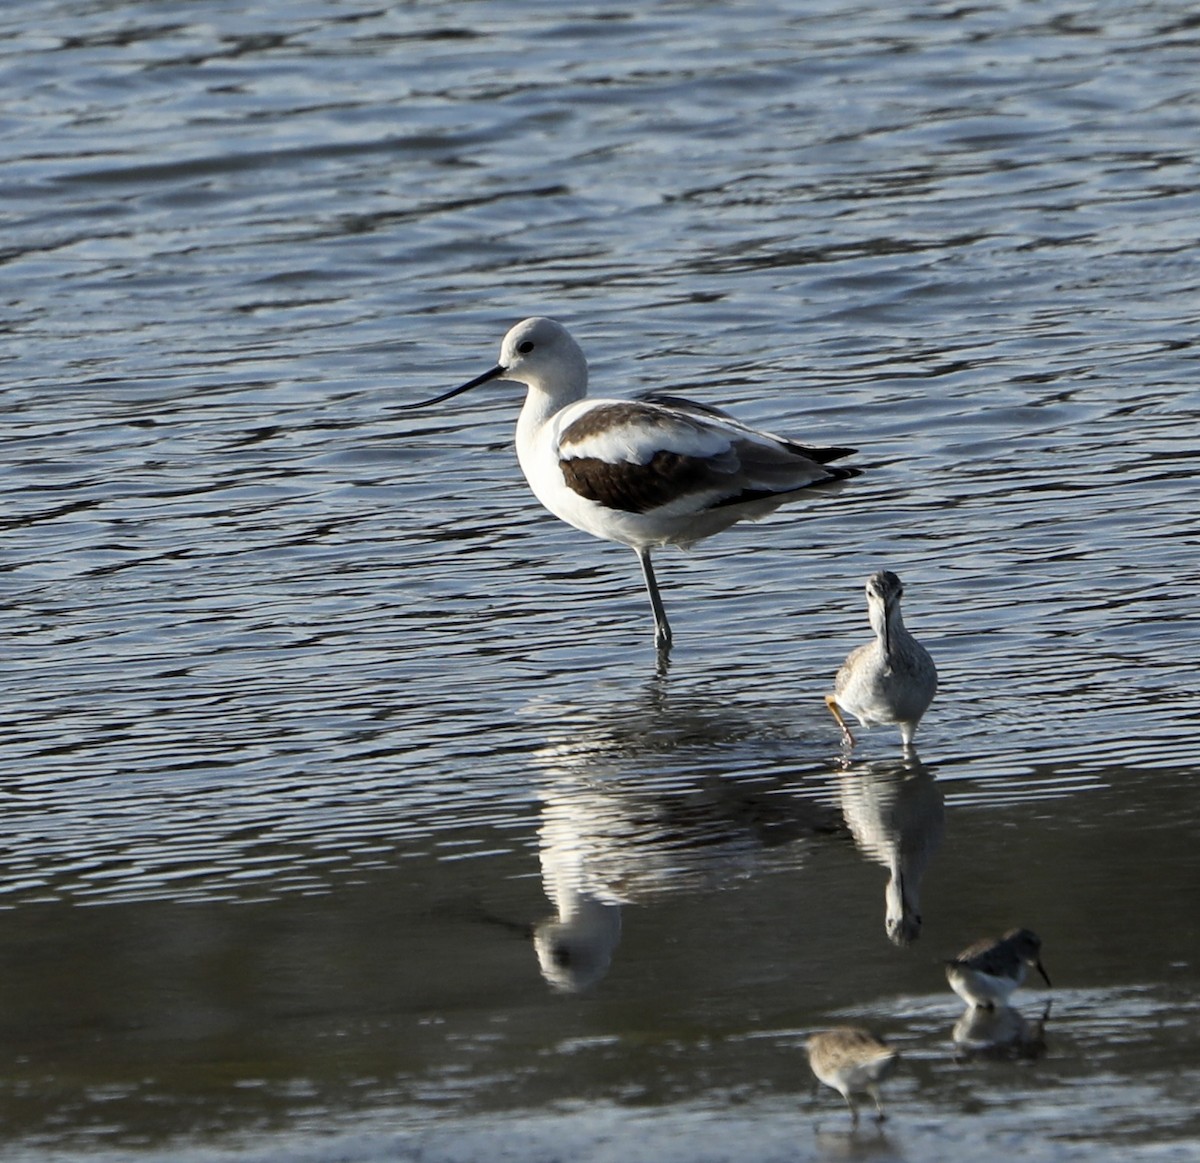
645, 473
895, 813
986, 973
1001, 1032
890, 680
853, 1062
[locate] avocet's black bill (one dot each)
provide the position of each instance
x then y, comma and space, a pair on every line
495, 373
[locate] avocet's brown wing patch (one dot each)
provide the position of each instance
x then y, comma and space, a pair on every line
637, 488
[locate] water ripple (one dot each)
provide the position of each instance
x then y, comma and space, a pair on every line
266, 636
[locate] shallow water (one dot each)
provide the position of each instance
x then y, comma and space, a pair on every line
316, 729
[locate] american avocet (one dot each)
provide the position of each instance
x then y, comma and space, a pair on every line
986, 973
653, 471
890, 680
852, 1061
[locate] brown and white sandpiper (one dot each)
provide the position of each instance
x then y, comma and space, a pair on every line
986, 973
853, 1062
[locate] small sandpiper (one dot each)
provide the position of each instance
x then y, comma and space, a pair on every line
852, 1061
890, 680
986, 973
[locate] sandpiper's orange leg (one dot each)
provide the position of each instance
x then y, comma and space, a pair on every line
836, 712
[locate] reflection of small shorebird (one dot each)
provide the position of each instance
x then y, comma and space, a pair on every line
986, 973
1000, 1032
894, 810
890, 680
649, 472
852, 1061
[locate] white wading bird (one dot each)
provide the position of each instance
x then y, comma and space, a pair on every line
653, 471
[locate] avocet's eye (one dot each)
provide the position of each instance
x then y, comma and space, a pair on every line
526, 347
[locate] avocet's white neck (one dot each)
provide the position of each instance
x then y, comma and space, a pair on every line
547, 397
539, 409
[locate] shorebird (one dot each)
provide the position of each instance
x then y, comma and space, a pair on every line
852, 1061
647, 472
986, 973
890, 680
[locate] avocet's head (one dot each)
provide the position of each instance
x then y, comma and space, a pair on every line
539, 353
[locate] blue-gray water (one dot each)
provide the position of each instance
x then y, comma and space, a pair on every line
314, 725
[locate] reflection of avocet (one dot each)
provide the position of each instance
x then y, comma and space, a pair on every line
575, 947
613, 834
895, 813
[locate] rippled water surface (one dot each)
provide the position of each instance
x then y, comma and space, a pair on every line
347, 815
